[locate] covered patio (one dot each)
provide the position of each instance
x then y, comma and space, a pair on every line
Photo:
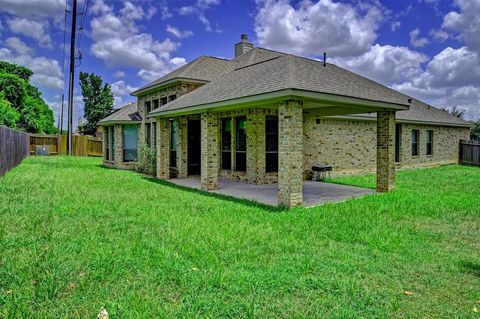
314, 193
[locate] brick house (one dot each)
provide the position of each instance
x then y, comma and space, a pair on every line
268, 117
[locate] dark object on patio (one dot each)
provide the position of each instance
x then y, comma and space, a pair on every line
321, 171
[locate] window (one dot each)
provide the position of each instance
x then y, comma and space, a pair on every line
148, 136
107, 143
172, 97
398, 142
241, 145
110, 150
173, 143
129, 143
154, 135
271, 144
148, 107
155, 104
415, 134
112, 143
164, 101
227, 143
429, 142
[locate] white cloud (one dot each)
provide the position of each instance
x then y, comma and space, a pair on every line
118, 41
53, 9
439, 35
121, 91
47, 72
395, 25
340, 29
18, 45
466, 23
416, 41
199, 9
386, 64
179, 33
35, 30
119, 74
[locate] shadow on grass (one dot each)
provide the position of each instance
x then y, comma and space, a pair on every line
471, 268
244, 202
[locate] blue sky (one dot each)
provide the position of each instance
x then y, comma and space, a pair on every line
428, 49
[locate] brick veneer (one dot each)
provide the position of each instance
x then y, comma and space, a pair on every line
385, 151
290, 154
182, 147
210, 153
163, 148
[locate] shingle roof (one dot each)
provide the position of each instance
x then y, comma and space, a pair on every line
281, 72
204, 68
264, 71
127, 113
421, 112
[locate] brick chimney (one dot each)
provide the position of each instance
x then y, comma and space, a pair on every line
244, 46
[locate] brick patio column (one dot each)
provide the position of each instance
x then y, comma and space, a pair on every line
255, 146
182, 142
118, 144
290, 154
210, 150
385, 151
163, 148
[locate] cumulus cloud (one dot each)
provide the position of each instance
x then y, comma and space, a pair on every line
52, 9
199, 9
33, 29
341, 29
47, 72
118, 41
466, 23
386, 64
120, 91
415, 40
179, 33
18, 45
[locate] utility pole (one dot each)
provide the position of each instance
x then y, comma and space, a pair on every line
72, 75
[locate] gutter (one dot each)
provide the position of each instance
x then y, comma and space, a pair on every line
147, 89
278, 96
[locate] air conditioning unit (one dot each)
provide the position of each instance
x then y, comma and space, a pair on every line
42, 150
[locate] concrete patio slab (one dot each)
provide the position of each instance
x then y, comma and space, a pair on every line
314, 193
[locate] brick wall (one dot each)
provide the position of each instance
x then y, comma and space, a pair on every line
350, 145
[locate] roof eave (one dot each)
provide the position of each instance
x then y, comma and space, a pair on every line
278, 96
113, 122
148, 89
402, 121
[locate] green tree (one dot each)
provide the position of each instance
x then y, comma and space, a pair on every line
8, 115
21, 103
475, 131
18, 70
455, 111
97, 100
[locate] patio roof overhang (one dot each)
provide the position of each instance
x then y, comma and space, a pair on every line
323, 104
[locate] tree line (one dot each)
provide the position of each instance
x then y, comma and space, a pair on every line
23, 108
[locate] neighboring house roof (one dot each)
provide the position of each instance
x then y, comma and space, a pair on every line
202, 69
125, 114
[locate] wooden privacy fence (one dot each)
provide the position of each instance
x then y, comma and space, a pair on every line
13, 148
470, 153
82, 145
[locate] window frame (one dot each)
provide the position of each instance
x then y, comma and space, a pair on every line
429, 138
134, 150
173, 143
415, 144
148, 107
226, 151
268, 135
240, 155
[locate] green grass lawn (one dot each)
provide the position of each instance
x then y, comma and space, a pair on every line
75, 237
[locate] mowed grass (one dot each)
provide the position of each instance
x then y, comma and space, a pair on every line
75, 237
